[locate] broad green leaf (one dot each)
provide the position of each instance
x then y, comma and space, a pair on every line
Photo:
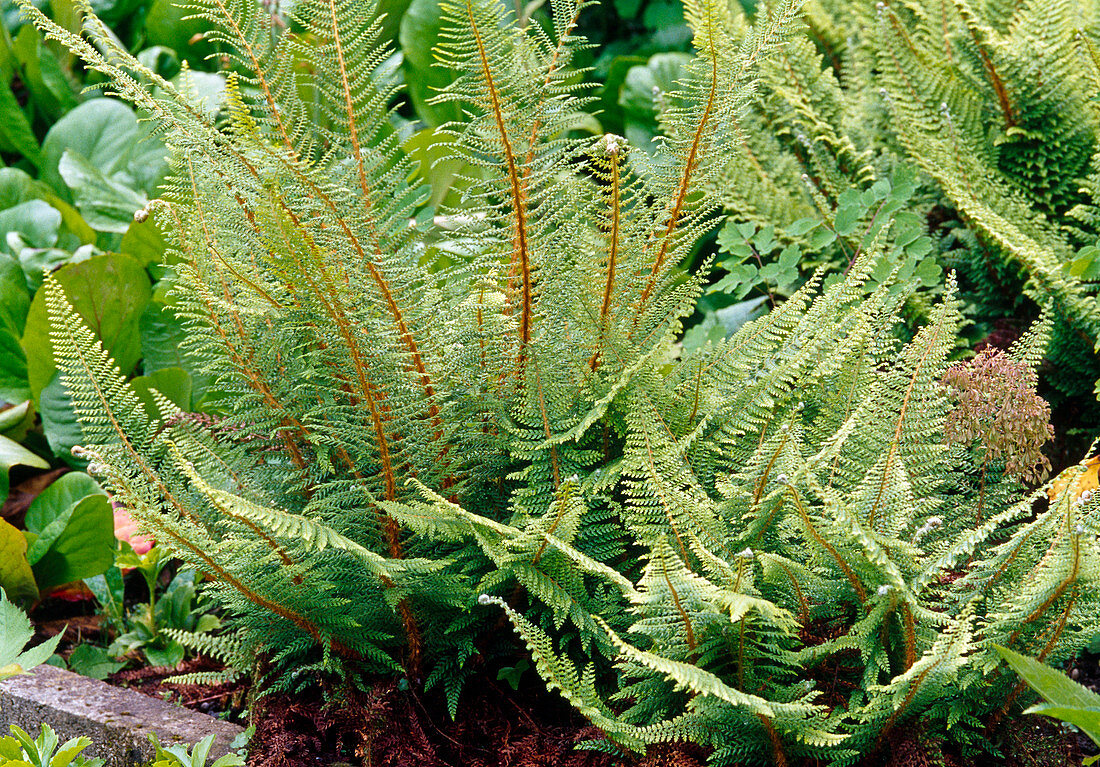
205, 89
440, 166
662, 14
419, 34
1065, 699
13, 454
802, 226
106, 203
113, 11
13, 368
110, 590
17, 187
60, 495
59, 420
43, 74
85, 547
67, 754
16, 577
173, 383
161, 60
169, 656
819, 238
38, 263
641, 90
110, 293
1085, 719
391, 13
105, 132
15, 128
847, 218
15, 299
144, 242
15, 631
172, 24
95, 662
13, 418
38, 223
162, 336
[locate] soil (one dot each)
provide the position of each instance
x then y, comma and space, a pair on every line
388, 726
226, 701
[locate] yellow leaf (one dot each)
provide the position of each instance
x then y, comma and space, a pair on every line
16, 577
1089, 479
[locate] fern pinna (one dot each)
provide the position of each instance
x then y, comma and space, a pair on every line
424, 425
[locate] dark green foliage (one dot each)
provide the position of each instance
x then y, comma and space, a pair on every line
429, 420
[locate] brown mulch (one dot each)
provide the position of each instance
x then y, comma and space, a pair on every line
390, 727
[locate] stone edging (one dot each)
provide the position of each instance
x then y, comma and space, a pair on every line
117, 720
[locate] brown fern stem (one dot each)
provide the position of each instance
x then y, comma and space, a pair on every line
803, 603
684, 187
251, 375
689, 632
306, 626
612, 261
844, 567
900, 710
367, 392
995, 80
664, 504
773, 737
895, 443
521, 258
257, 74
364, 185
550, 531
758, 491
1022, 685
910, 636
1059, 590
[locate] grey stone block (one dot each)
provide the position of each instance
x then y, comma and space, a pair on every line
117, 720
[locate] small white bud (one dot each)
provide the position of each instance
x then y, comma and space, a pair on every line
933, 522
484, 599
747, 554
781, 479
612, 144
140, 216
1079, 528
575, 478
884, 589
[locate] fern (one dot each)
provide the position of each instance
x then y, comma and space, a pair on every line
426, 425
994, 102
